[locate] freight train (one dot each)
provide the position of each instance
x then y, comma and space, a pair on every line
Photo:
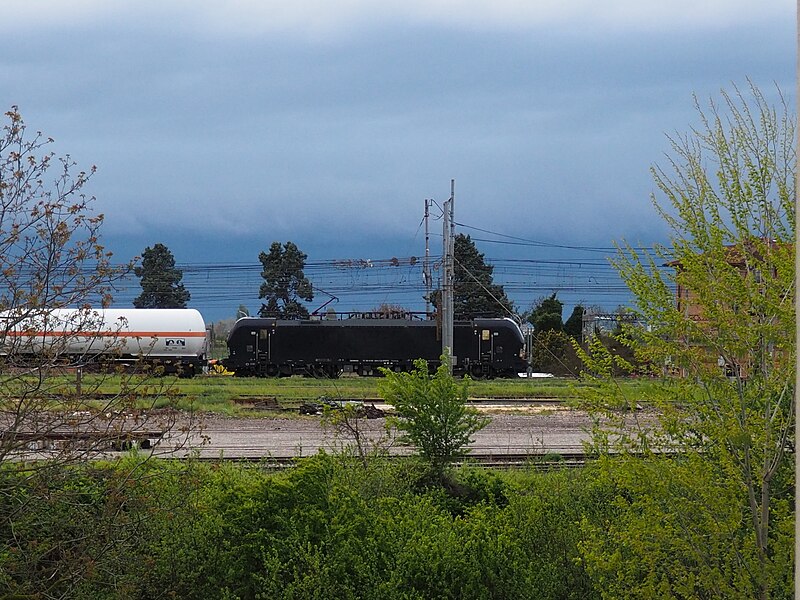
177, 342
265, 347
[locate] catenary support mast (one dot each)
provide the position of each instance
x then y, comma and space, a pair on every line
448, 245
426, 266
797, 322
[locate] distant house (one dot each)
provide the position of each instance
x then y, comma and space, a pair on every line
750, 261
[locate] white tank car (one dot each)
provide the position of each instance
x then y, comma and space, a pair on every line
169, 336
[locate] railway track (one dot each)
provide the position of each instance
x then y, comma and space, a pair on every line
512, 437
305, 406
40, 445
369, 399
574, 459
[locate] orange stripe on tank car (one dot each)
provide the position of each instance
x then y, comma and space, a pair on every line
107, 333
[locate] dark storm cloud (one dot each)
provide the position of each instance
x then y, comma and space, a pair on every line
219, 138
390, 115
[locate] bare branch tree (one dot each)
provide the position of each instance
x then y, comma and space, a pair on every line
51, 259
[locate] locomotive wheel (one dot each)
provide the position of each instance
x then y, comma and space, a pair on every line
476, 371
272, 370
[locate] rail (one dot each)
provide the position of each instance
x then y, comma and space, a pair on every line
534, 461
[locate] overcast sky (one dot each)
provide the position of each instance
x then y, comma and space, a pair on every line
218, 127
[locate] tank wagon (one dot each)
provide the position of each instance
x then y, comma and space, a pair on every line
267, 347
174, 339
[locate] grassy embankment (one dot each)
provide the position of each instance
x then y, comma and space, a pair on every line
254, 396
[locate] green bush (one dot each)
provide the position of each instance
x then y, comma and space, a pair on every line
432, 412
676, 528
328, 528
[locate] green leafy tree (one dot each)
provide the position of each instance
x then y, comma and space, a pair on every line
432, 411
160, 280
474, 292
551, 350
285, 284
573, 326
545, 315
722, 316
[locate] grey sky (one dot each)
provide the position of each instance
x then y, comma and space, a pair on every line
218, 127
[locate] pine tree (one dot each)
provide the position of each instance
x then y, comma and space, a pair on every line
474, 293
160, 280
285, 284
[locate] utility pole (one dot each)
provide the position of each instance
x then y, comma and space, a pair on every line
426, 266
448, 245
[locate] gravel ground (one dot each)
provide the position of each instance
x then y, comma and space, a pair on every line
519, 431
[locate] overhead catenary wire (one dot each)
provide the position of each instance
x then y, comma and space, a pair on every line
520, 241
361, 284
576, 273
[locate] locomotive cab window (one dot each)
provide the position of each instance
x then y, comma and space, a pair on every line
485, 335
263, 334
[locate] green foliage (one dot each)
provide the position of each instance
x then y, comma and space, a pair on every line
729, 338
552, 348
573, 326
553, 352
72, 532
674, 531
319, 530
285, 284
474, 293
432, 411
160, 280
545, 314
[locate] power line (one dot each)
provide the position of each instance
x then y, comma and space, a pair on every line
362, 284
519, 241
357, 284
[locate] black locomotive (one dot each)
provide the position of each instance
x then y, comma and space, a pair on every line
268, 347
